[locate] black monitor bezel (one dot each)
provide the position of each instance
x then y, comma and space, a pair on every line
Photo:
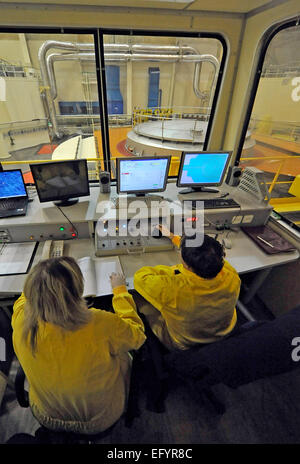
16, 196
61, 197
140, 158
212, 184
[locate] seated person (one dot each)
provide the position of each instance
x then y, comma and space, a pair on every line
75, 359
192, 302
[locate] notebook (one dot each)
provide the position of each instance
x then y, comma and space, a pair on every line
13, 194
96, 273
268, 240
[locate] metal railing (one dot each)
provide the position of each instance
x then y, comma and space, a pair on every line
280, 159
289, 130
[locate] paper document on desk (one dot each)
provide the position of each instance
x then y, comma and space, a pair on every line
96, 273
16, 258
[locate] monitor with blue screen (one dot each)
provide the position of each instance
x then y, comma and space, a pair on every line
12, 184
201, 170
142, 175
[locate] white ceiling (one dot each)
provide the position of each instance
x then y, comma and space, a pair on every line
225, 6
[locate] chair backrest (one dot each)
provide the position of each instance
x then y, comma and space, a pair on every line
6, 350
254, 352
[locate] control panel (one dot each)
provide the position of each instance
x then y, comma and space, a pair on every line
129, 238
216, 219
42, 232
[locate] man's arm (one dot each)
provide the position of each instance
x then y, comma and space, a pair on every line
176, 239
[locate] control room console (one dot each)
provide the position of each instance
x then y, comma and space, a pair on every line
123, 220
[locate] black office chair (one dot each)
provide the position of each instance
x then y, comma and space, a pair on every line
256, 350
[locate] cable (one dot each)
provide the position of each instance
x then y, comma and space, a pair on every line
74, 228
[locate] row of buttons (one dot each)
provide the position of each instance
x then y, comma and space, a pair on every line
124, 243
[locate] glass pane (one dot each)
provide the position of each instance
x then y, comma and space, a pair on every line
49, 105
159, 94
272, 143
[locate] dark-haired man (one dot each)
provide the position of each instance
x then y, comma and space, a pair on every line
193, 302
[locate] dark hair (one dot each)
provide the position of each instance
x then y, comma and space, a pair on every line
206, 260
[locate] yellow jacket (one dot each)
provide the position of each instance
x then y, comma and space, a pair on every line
196, 310
80, 377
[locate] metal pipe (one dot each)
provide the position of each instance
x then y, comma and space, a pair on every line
141, 53
181, 49
71, 46
45, 47
214, 61
109, 57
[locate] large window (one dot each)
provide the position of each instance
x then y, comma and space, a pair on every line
160, 92
65, 96
49, 103
273, 136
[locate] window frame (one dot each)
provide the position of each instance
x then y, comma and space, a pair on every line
267, 38
156, 33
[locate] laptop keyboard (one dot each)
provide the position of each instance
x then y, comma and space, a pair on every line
12, 204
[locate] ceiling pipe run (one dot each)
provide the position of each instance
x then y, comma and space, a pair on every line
117, 53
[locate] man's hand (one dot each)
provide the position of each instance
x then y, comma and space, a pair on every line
117, 280
165, 231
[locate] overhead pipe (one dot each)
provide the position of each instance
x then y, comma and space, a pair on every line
81, 47
141, 53
45, 47
197, 59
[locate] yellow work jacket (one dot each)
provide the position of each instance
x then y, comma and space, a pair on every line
196, 310
80, 376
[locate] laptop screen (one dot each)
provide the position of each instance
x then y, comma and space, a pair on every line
12, 184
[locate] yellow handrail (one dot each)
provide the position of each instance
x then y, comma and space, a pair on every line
280, 159
250, 158
46, 161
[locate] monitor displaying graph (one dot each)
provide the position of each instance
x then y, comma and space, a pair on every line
142, 175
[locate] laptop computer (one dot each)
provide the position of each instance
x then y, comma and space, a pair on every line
13, 194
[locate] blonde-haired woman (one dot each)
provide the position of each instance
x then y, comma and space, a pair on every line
75, 358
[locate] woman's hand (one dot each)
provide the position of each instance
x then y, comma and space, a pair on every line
117, 280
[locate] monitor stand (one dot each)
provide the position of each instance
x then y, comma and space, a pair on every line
68, 202
148, 196
198, 189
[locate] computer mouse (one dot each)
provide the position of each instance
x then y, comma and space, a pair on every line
227, 243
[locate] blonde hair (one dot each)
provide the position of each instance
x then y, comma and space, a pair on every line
53, 291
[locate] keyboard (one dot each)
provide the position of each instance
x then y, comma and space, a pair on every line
12, 204
121, 202
215, 203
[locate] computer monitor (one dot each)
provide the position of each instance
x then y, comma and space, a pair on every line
142, 175
199, 171
61, 181
12, 184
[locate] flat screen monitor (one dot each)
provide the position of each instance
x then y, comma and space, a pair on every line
61, 181
142, 175
201, 170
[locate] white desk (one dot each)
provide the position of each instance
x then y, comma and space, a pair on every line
244, 256
44, 219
